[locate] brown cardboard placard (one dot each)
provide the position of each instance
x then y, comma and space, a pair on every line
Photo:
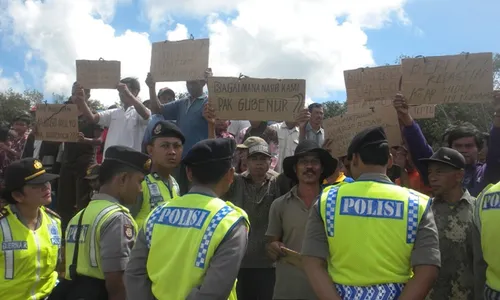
256, 99
57, 122
342, 129
463, 78
98, 74
424, 111
179, 61
372, 84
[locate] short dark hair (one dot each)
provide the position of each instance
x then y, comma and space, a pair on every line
4, 133
375, 155
314, 105
24, 117
464, 130
132, 83
110, 169
113, 106
209, 174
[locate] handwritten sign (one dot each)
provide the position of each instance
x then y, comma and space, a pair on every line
256, 99
465, 78
98, 74
372, 84
57, 122
180, 61
425, 111
342, 129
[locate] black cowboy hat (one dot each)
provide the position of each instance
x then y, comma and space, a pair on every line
305, 147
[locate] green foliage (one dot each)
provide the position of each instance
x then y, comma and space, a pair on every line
179, 96
12, 103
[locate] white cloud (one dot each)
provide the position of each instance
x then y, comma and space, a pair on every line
279, 38
15, 82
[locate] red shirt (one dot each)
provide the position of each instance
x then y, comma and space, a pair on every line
99, 153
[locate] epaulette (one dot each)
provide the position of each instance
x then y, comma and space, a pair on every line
51, 212
4, 212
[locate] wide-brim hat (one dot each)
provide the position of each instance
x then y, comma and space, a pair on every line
328, 162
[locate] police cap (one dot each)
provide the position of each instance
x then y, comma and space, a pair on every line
23, 172
210, 151
373, 136
167, 129
93, 172
128, 157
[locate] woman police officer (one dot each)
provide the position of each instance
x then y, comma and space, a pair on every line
30, 233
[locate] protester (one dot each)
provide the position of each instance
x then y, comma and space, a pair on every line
197, 271
310, 124
266, 132
453, 209
288, 139
465, 139
254, 191
127, 123
408, 175
30, 233
288, 215
21, 125
190, 114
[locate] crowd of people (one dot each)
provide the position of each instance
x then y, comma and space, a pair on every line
160, 199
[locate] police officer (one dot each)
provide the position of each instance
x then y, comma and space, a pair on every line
105, 229
192, 247
487, 222
363, 238
160, 186
30, 233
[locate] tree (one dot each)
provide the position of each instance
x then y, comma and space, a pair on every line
13, 103
181, 95
95, 105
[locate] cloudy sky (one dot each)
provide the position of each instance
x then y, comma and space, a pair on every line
311, 39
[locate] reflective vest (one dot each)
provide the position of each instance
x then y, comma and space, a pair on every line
371, 228
28, 259
95, 215
195, 225
489, 213
154, 192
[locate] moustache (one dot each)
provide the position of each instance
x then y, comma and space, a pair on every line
309, 171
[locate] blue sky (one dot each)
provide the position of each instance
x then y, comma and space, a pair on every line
438, 27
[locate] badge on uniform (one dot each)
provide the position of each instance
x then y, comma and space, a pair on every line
154, 190
128, 231
37, 165
55, 238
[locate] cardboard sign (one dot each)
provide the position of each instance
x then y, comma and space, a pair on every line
57, 122
426, 111
98, 74
464, 78
372, 84
179, 61
256, 99
342, 129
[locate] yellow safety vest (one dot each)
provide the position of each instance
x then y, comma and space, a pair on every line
28, 259
489, 213
195, 224
154, 192
89, 258
371, 229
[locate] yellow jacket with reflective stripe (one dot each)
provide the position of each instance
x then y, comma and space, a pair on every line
154, 193
28, 259
95, 215
371, 228
488, 205
195, 224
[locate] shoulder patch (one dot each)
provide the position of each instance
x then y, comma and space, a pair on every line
128, 231
51, 212
4, 212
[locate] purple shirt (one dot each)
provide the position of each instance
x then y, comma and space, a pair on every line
477, 176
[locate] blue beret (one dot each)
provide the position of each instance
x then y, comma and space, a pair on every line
167, 129
372, 136
129, 157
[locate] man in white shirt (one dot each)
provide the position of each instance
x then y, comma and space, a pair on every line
288, 136
126, 124
237, 125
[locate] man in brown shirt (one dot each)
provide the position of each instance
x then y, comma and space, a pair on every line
453, 209
254, 190
288, 217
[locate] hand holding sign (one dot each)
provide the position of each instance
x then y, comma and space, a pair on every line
150, 81
400, 104
209, 113
303, 117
